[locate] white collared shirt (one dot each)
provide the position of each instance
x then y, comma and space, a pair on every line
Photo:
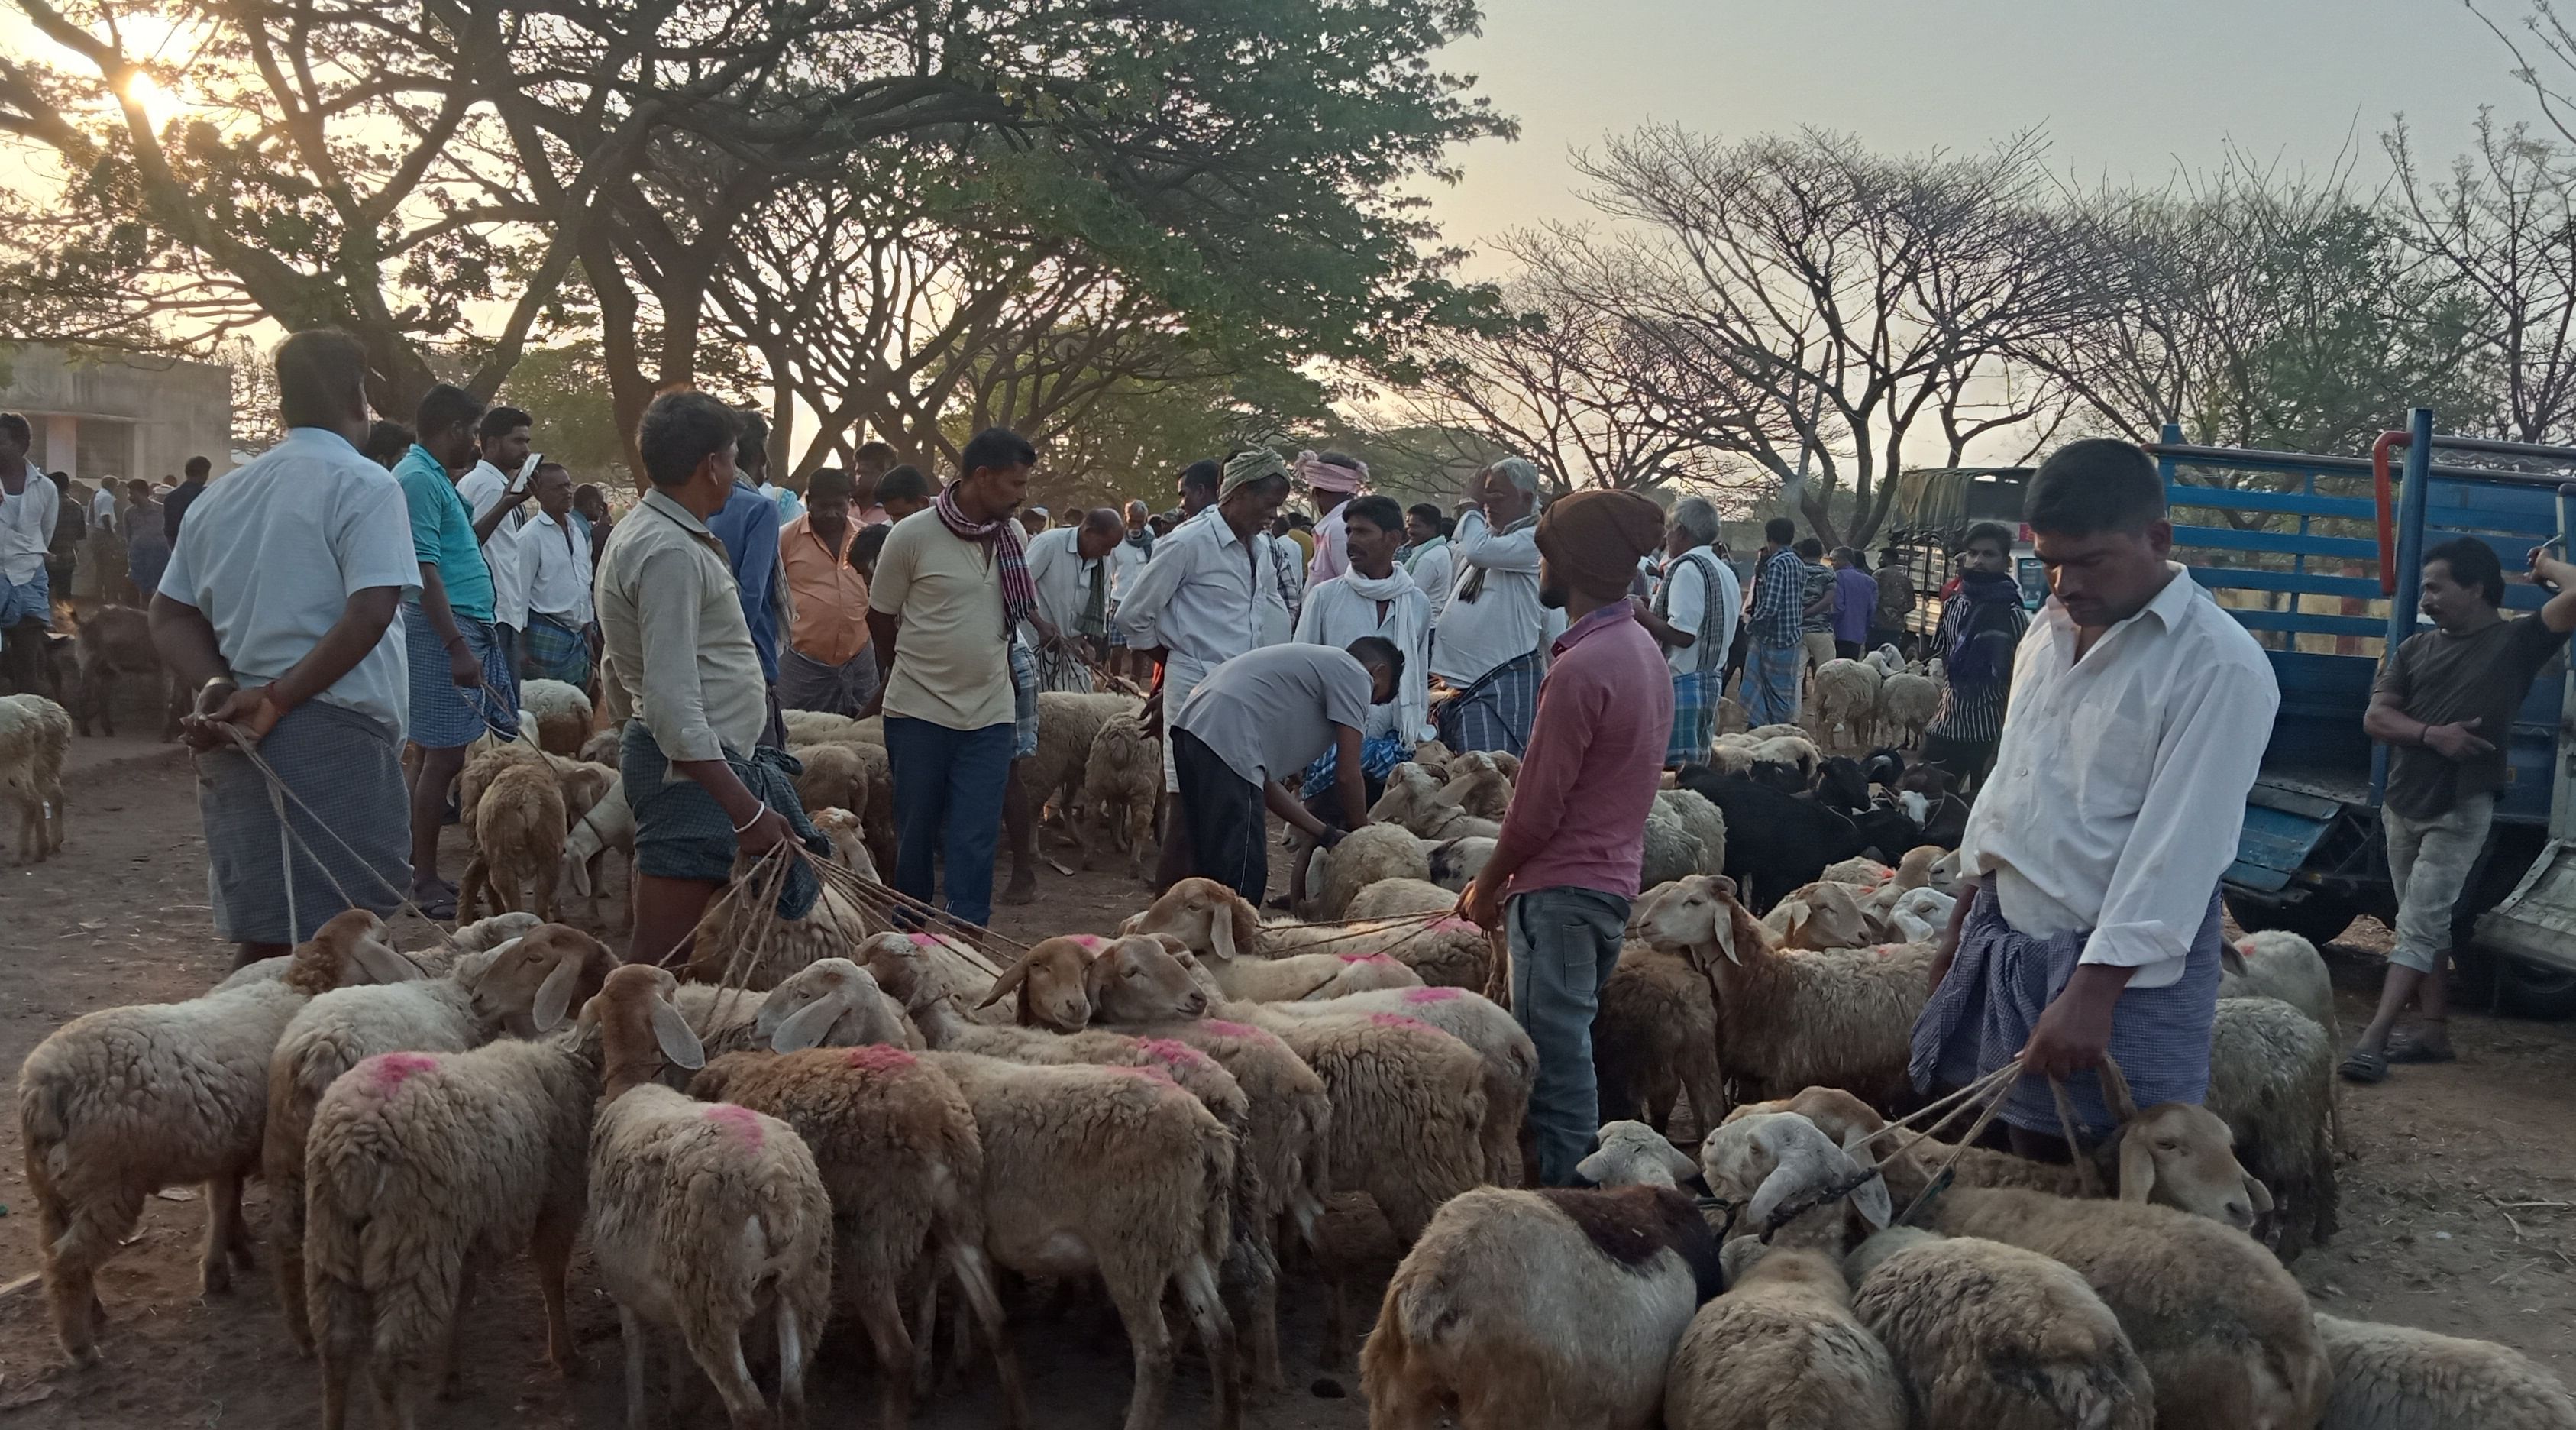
1063, 577
1337, 613
479, 489
1505, 621
554, 569
2119, 789
27, 527
1196, 598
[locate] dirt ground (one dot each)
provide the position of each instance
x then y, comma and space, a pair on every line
2459, 1188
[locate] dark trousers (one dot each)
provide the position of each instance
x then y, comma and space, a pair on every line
1846, 650
1223, 811
1968, 761
948, 803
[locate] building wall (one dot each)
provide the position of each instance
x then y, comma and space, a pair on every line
145, 415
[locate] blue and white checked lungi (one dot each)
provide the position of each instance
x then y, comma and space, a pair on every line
1379, 755
445, 715
1496, 711
1694, 711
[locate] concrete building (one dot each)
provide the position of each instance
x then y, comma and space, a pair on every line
98, 413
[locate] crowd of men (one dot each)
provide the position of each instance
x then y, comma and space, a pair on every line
362, 586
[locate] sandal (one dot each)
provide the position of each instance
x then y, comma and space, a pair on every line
2412, 1048
2363, 1065
437, 905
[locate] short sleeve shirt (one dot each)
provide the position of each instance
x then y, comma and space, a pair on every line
442, 534
951, 666
1270, 713
2439, 678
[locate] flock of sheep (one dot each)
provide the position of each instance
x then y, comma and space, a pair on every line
826, 1114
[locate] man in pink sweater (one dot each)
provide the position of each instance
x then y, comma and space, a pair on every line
1565, 867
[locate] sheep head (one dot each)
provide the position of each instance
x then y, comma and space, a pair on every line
583, 785
539, 977
849, 841
901, 970
1410, 790
1914, 871
1698, 917
1821, 915
1635, 1155
351, 948
1946, 874
1203, 914
831, 1002
1144, 979
640, 1027
1837, 1112
2184, 1156
491, 933
1049, 980
1770, 1159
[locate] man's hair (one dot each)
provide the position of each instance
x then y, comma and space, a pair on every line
1378, 511
132, 482
197, 469
2472, 563
1850, 556
996, 447
2096, 484
1202, 475
321, 378
1380, 650
502, 421
16, 426
1994, 531
1810, 549
549, 466
590, 489
873, 452
386, 442
904, 483
1298, 519
865, 546
1779, 531
1105, 519
443, 409
830, 482
751, 439
1887, 554
680, 430
1432, 516
62, 480
1697, 518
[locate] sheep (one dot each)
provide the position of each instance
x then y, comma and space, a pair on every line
1214, 920
1412, 799
2400, 1378
604, 747
114, 641
561, 713
2279, 964
896, 1145
1832, 1018
421, 1168
741, 941
2223, 1330
1781, 1350
1997, 1337
35, 735
1823, 915
1477, 787
519, 832
1455, 863
1762, 1162
1655, 1038
1068, 724
605, 826
1906, 704
1703, 822
581, 785
815, 727
1114, 1170
1121, 781
1846, 704
1365, 856
117, 1104
1555, 1310
2271, 1078
1631, 1154
849, 841
1858, 872
1794, 750
1444, 953
1510, 1058
829, 1003
834, 777
702, 1215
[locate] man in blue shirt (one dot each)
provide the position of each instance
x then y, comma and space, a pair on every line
748, 527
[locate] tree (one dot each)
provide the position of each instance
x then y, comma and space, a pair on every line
1134, 437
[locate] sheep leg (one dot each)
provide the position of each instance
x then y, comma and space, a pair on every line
631, 1335
1139, 1299
223, 1234
546, 871
450, 1380
1206, 1310
923, 1331
90, 1233
881, 1314
477, 874
286, 1257
1252, 1268
716, 1345
975, 1283
1140, 827
552, 1250
791, 1367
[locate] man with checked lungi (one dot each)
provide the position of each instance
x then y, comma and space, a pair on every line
2138, 716
1486, 644
561, 639
277, 608
1693, 618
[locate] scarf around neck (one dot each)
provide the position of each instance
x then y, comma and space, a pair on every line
1474, 585
1403, 625
1002, 537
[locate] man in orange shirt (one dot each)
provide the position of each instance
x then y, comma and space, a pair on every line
827, 664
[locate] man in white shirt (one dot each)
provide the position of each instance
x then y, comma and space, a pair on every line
1331, 479
1075, 570
554, 579
29, 506
1693, 617
2137, 719
1372, 598
1427, 556
277, 609
1487, 643
496, 483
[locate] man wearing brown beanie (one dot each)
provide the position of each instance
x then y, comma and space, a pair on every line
1565, 866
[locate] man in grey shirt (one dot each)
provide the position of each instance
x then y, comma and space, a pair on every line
1259, 719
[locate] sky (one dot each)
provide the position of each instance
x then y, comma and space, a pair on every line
2126, 92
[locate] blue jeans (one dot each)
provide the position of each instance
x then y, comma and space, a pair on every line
1565, 946
1771, 684
948, 797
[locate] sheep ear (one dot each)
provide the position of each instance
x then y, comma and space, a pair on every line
1594, 1168
577, 872
382, 963
679, 1045
554, 996
2231, 959
806, 1027
1012, 977
1221, 932
1680, 1163
2258, 1194
2137, 1169
1871, 1196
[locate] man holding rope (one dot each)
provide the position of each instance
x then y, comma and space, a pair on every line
277, 608
2137, 719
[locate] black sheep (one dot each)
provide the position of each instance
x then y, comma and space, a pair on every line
1776, 841
1843, 786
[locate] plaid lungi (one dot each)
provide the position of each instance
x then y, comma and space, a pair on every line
445, 715
1024, 703
682, 833
352, 849
1379, 755
805, 683
556, 650
1694, 710
1495, 712
1983, 1013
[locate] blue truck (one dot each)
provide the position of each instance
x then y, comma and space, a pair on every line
2319, 556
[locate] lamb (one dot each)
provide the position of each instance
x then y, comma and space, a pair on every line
2400, 1378
2223, 1330
605, 826
1555, 1310
519, 832
815, 727
1655, 1038
1906, 704
1781, 1348
604, 747
1477, 786
1212, 919
1846, 694
2271, 1077
1832, 1018
1510, 1058
2279, 964
896, 1145
834, 777
1412, 799
1994, 1336
829, 1003
114, 641
115, 1105
849, 841
422, 1167
704, 1216
35, 735
1121, 780
1762, 1162
1367, 855
561, 713
1455, 863
1825, 914
1631, 1154
1068, 724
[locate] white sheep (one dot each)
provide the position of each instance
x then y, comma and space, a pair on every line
2277, 963
829, 1003
1764, 1162
35, 735
741, 940
1655, 1038
1781, 1348
1846, 704
1703, 821
561, 714
1446, 952
1412, 799
1631, 1154
1068, 724
1122, 778
1831, 1018
1906, 704
814, 727
115, 1105
1996, 1337
1215, 921
2224, 1331
1794, 750
1367, 855
1823, 915
1455, 863
2400, 1378
1551, 1310
422, 1169
2271, 1078
1477, 785
520, 825
706, 1217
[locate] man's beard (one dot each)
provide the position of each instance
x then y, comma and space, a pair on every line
1552, 597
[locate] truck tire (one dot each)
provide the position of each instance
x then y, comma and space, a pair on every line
2527, 990
2320, 918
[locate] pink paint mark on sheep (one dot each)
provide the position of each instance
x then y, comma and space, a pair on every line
1398, 1020
1224, 1029
1171, 1052
1431, 995
1091, 941
1454, 924
387, 1072
880, 1058
742, 1122
924, 940
1366, 958
2246, 948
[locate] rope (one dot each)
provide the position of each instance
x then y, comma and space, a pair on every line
1941, 1178
277, 786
